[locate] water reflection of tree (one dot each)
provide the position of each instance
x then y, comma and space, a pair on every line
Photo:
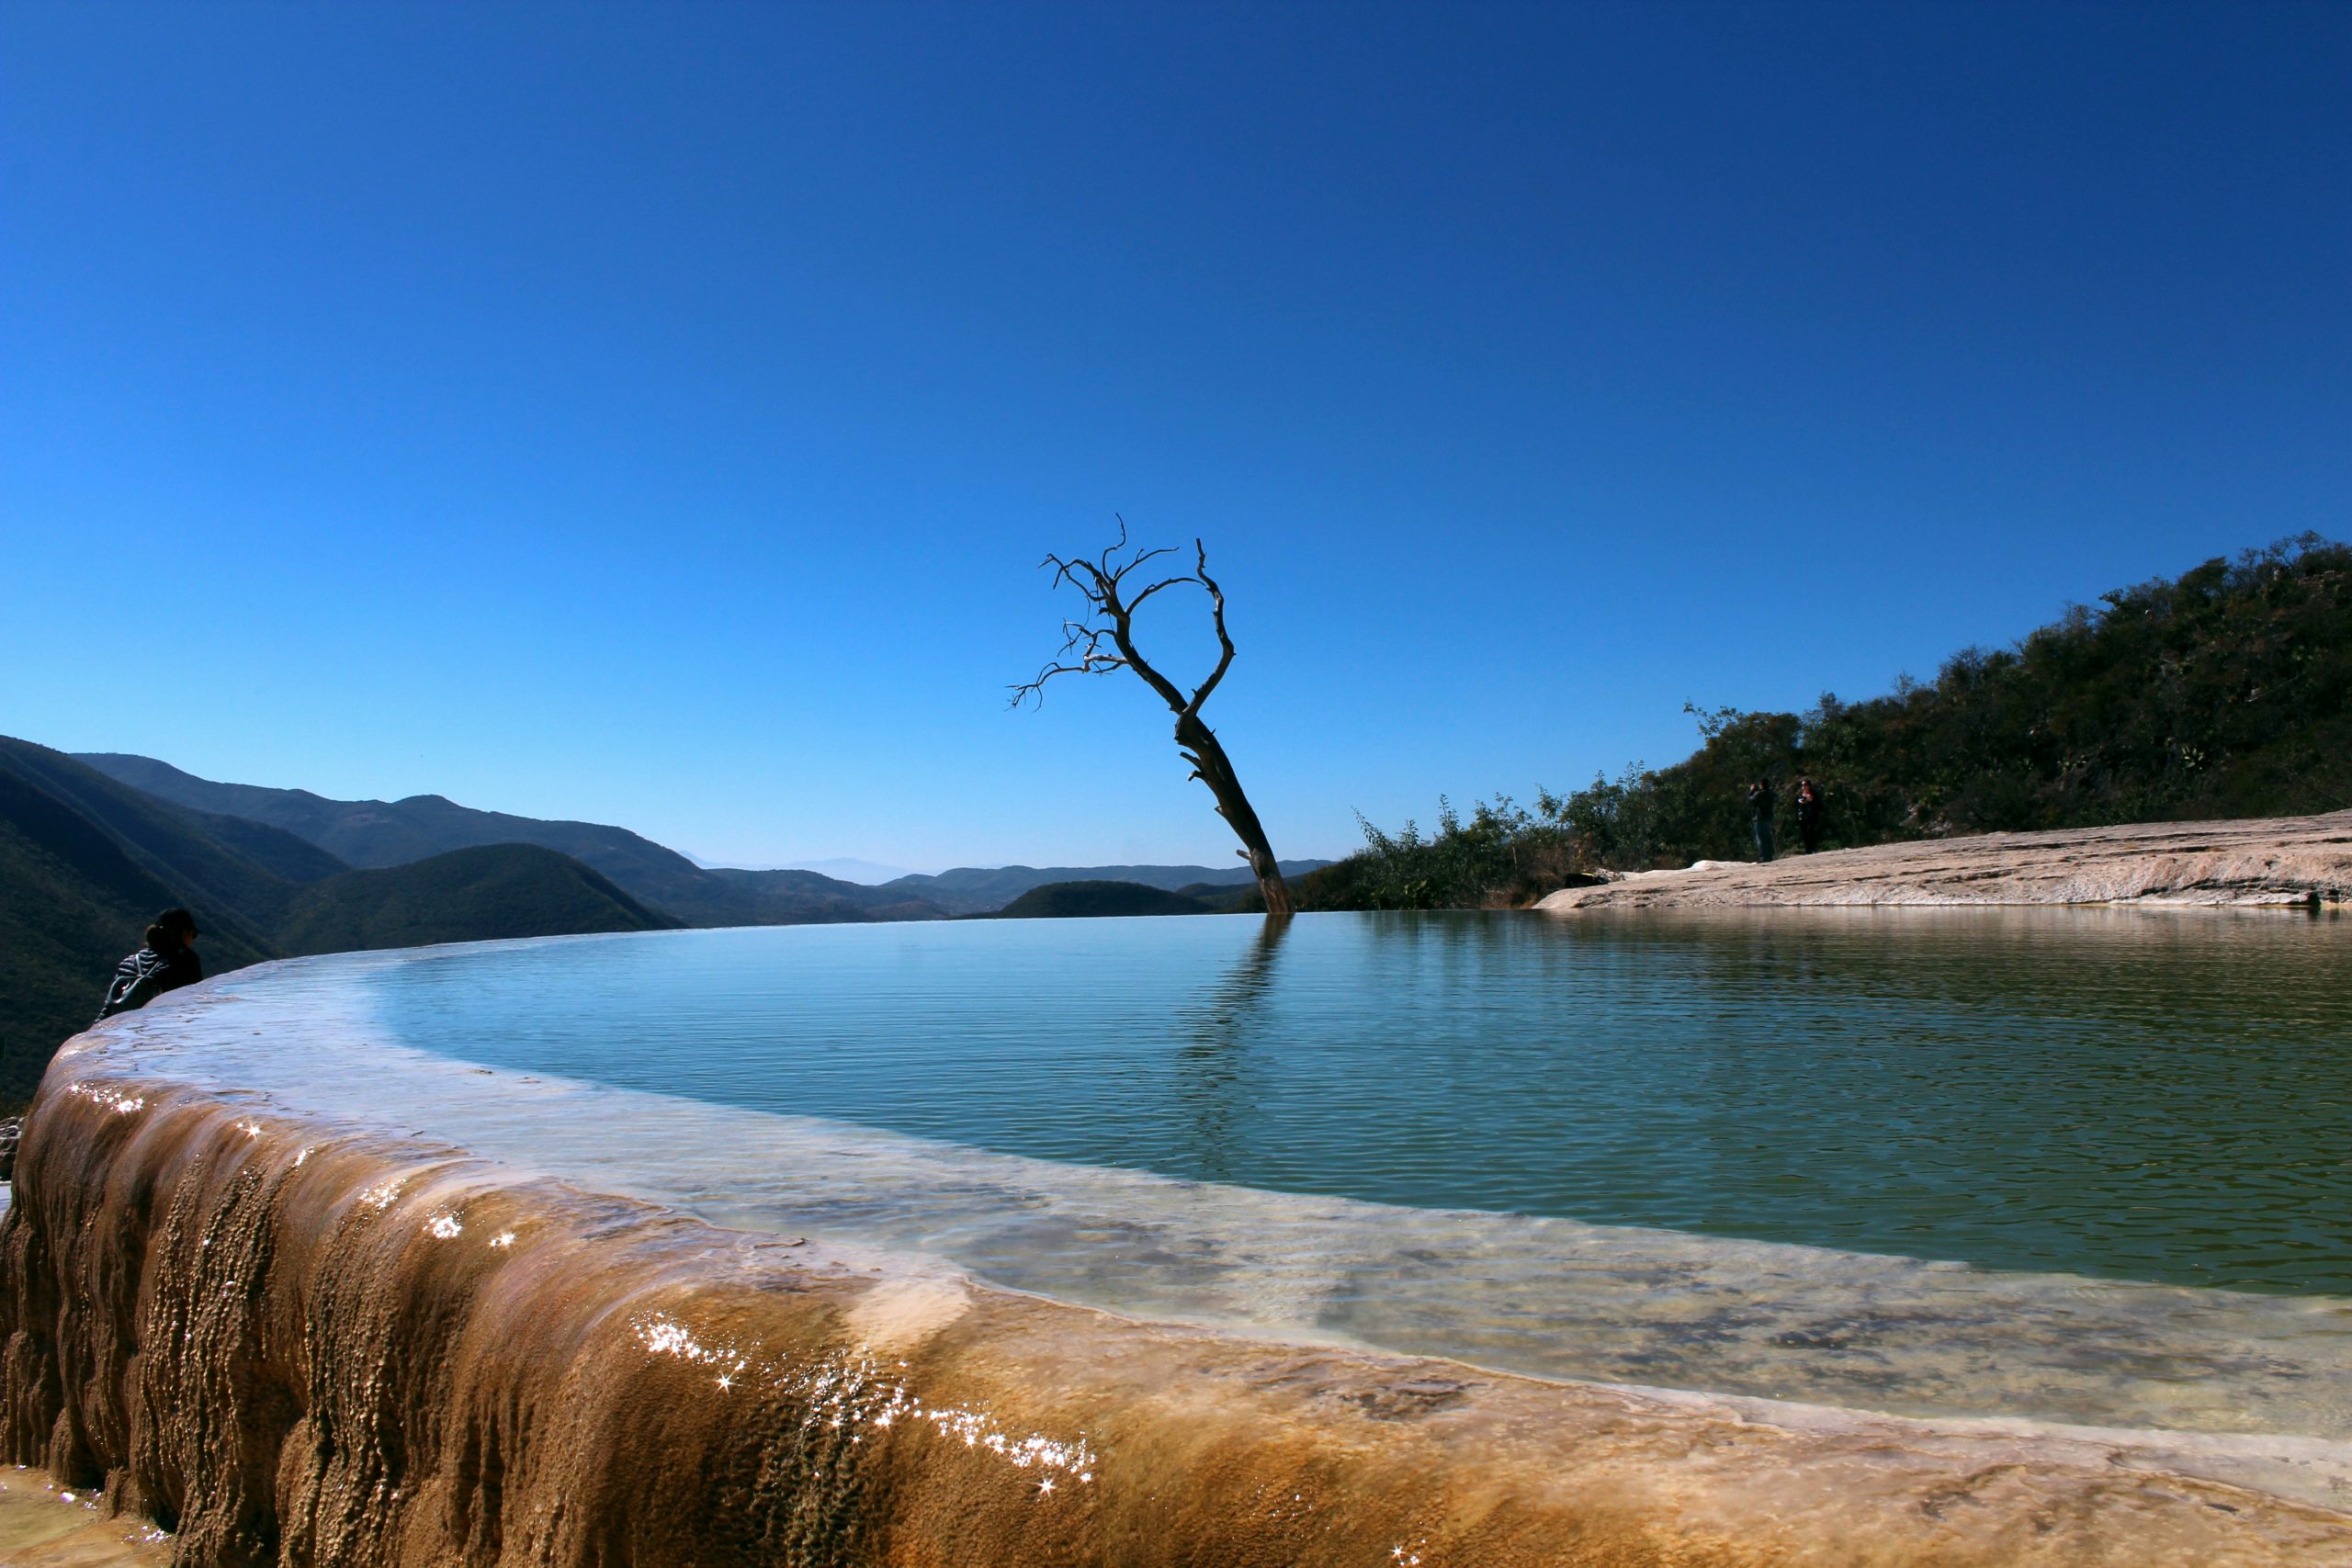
1212, 1092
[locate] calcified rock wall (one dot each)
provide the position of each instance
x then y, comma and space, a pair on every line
2274, 861
297, 1344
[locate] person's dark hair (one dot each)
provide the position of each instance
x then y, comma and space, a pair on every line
170, 924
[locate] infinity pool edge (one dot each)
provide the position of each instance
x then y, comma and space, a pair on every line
294, 1341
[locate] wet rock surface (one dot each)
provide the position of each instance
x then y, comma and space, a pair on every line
2272, 861
302, 1342
43, 1524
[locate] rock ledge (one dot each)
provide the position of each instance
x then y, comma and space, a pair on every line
2279, 861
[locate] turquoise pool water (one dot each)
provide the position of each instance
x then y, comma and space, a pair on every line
2157, 1097
2082, 1167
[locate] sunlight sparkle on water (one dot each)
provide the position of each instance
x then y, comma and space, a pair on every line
851, 1395
116, 1100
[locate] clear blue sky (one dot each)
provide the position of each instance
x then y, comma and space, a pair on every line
655, 415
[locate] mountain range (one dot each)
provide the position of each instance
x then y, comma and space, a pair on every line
92, 845
86, 861
981, 890
377, 833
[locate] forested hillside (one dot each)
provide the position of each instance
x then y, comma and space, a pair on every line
2224, 693
475, 895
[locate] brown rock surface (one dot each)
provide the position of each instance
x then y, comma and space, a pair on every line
2280, 861
298, 1343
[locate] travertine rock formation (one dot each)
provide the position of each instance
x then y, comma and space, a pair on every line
2293, 860
304, 1344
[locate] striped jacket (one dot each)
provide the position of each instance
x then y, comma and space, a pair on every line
146, 974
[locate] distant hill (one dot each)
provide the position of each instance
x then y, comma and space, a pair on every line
974, 890
1076, 900
1230, 899
375, 834
731, 897
848, 868
473, 894
85, 861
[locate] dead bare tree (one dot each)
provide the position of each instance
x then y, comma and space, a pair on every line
1104, 640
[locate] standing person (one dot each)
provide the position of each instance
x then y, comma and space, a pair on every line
1760, 812
165, 964
1809, 813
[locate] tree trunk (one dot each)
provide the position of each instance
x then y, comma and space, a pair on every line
1112, 617
1212, 768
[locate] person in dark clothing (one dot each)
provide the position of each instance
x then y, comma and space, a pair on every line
165, 964
1809, 814
1760, 812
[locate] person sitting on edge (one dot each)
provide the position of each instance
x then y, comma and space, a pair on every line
1760, 811
165, 964
1809, 813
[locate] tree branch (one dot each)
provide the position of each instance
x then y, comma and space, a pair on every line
1224, 641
